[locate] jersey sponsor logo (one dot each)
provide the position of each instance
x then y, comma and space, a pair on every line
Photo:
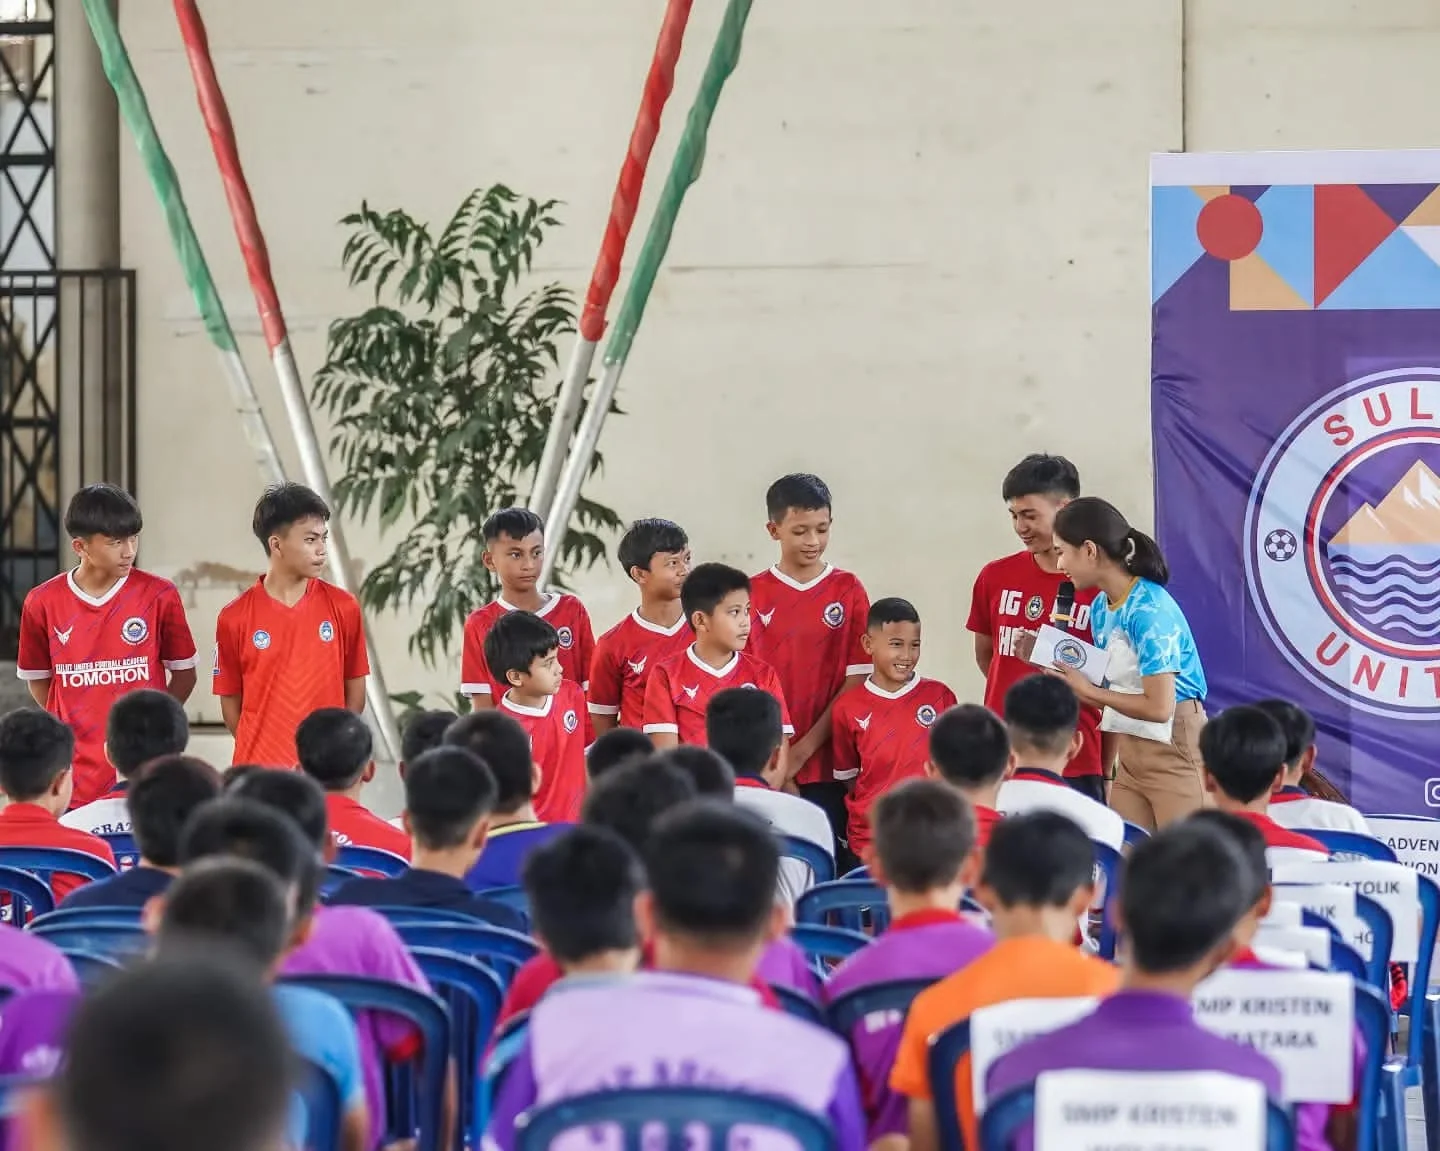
690, 691
1034, 607
261, 639
833, 615
567, 638
571, 720
134, 630
327, 631
64, 636
1071, 653
104, 672
765, 616
863, 723
638, 665
925, 715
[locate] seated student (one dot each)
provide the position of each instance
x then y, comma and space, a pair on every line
1291, 805
504, 747
1243, 750
449, 794
614, 747
1038, 877
1183, 892
161, 797
333, 745
30, 963
925, 857
746, 728
423, 731
714, 777
710, 911
970, 751
35, 778
216, 1072
142, 725
1043, 718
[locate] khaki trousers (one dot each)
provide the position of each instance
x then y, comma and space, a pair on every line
1158, 783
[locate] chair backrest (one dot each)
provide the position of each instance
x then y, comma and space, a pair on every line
798, 1004
473, 993
513, 897
503, 951
1351, 845
1420, 973
85, 916
678, 1110
946, 1050
335, 877
1372, 1019
114, 939
1382, 939
1346, 960
371, 861
508, 1042
429, 915
46, 861
1134, 834
90, 967
857, 873
30, 896
1107, 859
127, 854
428, 1015
824, 946
846, 1011
845, 903
822, 867
321, 1092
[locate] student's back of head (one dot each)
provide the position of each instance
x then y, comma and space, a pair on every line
744, 727
1042, 714
712, 776
629, 799
582, 887
449, 794
1251, 842
242, 828
144, 725
1038, 859
1243, 749
293, 795
36, 751
228, 903
1297, 727
502, 744
969, 747
924, 836
162, 797
618, 745
333, 745
423, 731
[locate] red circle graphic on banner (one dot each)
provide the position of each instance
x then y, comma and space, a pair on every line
1229, 227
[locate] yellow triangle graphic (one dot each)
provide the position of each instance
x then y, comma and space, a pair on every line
1427, 211
1210, 191
1256, 287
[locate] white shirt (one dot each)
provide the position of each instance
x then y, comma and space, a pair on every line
106, 816
1029, 791
789, 815
1322, 814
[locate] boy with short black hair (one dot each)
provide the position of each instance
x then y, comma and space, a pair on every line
142, 725
714, 777
656, 555
292, 643
1243, 750
880, 729
1037, 879
710, 911
162, 796
1015, 595
812, 626
925, 858
716, 601
35, 781
422, 732
103, 629
1291, 805
334, 749
523, 654
970, 751
581, 888
514, 554
616, 746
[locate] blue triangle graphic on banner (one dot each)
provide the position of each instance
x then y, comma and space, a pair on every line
1174, 246
1397, 274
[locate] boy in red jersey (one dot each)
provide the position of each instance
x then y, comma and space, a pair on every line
334, 746
1013, 596
514, 550
292, 643
812, 618
656, 555
716, 602
881, 729
100, 630
522, 651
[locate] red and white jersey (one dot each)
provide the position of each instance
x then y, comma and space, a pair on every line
811, 634
1030, 789
682, 687
565, 613
94, 650
557, 745
624, 658
1294, 808
881, 738
1013, 596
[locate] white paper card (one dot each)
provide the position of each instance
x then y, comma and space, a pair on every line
995, 1030
1054, 646
1148, 1111
1392, 885
1415, 842
1283, 914
1311, 942
1302, 1021
1331, 901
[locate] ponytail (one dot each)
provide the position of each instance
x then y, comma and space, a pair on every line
1143, 558
1091, 518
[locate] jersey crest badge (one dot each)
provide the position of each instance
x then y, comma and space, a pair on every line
638, 665
261, 639
567, 638
327, 631
571, 720
925, 715
64, 636
134, 630
1034, 607
690, 691
833, 615
765, 616
863, 723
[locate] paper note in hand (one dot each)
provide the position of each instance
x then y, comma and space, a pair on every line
1054, 646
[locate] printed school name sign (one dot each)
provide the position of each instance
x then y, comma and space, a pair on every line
1295, 383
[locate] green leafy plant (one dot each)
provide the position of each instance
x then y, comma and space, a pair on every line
440, 396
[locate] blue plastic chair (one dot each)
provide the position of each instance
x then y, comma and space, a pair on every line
92, 968
1418, 1056
509, 1041
1004, 1118
118, 940
1351, 844
1108, 860
856, 873
513, 897
473, 993
678, 1110
127, 854
321, 1092
825, 946
1134, 834
501, 950
845, 1012
371, 861
29, 895
43, 862
1382, 941
1372, 1018
430, 915
946, 1050
798, 1004
821, 865
334, 878
845, 903
1347, 961
87, 916
429, 1016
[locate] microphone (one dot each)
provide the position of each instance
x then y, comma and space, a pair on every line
1062, 614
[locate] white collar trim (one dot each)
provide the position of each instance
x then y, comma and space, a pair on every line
796, 584
551, 599
655, 627
520, 709
90, 599
904, 691
717, 672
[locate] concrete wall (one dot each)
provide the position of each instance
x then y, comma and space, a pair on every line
918, 250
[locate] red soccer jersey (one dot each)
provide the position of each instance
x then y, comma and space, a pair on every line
352, 824
93, 651
30, 825
1012, 598
564, 612
811, 634
682, 687
881, 738
557, 745
624, 658
285, 662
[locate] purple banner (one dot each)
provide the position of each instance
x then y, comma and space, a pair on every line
1295, 382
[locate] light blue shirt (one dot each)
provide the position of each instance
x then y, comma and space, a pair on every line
1151, 624
321, 1032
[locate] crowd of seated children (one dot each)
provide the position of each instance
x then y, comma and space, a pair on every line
333, 745
616, 746
970, 751
1290, 804
142, 725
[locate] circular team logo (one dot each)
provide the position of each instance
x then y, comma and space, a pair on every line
1034, 608
327, 631
134, 630
261, 639
572, 721
925, 715
567, 638
1342, 543
834, 614
1071, 653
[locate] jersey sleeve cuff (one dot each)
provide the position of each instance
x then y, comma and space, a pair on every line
475, 689
842, 776
39, 673
661, 729
859, 669
602, 709
181, 664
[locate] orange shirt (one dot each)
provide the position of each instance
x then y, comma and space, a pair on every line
30, 825
1030, 967
284, 662
352, 824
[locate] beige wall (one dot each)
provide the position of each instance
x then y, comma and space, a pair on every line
918, 250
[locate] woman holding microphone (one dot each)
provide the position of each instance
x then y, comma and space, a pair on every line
1153, 698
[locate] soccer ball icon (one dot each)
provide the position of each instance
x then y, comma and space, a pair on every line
1280, 545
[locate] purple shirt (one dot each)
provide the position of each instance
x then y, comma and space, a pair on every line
783, 964
1130, 1031
32, 1038
29, 963
658, 1028
926, 945
358, 941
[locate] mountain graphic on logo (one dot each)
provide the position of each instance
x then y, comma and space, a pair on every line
1408, 516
